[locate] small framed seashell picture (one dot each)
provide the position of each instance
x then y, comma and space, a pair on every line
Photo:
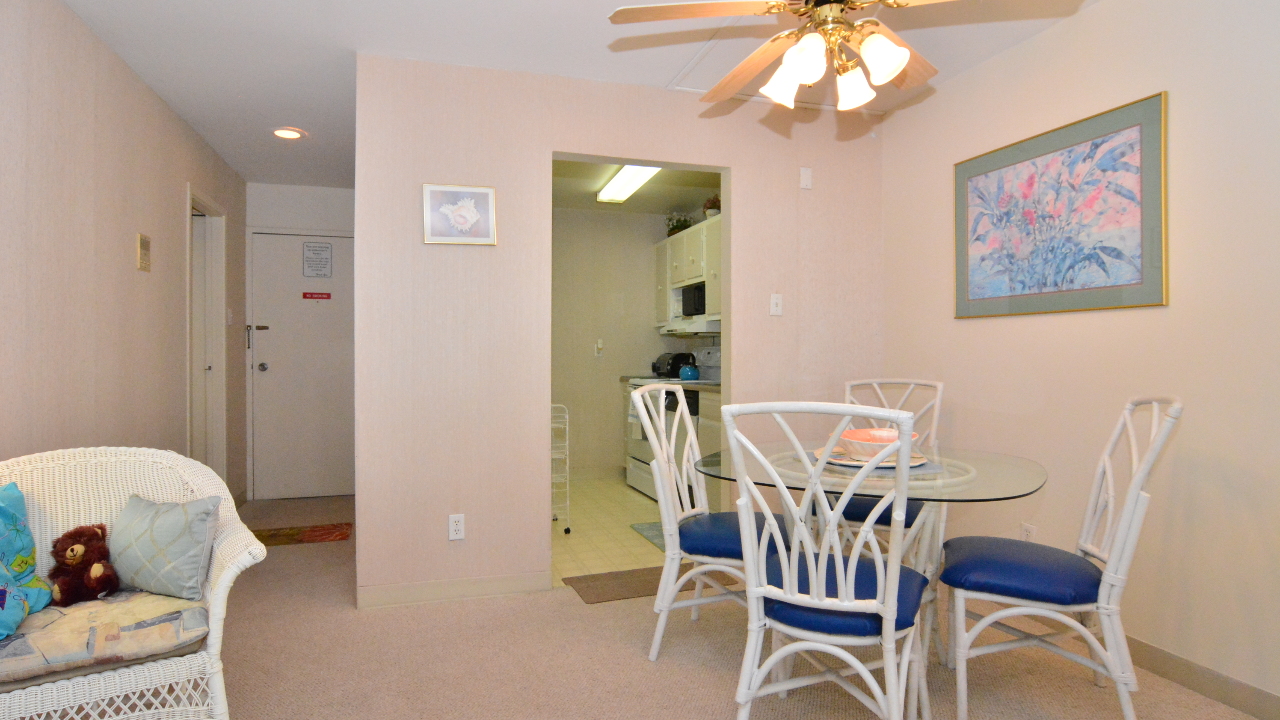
458, 215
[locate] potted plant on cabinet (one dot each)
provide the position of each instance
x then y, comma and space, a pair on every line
678, 221
712, 206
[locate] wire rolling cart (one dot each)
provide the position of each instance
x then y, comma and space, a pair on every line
560, 465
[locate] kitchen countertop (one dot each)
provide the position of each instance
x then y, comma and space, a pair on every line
710, 386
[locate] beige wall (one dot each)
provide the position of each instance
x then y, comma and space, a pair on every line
1050, 386
453, 343
300, 207
93, 351
602, 281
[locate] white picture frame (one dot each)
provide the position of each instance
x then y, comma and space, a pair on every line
459, 215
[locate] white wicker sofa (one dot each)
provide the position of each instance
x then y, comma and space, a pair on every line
67, 488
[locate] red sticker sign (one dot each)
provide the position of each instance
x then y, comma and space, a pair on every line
316, 296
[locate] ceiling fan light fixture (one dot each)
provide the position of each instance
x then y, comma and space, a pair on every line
884, 58
782, 87
626, 181
806, 61
852, 90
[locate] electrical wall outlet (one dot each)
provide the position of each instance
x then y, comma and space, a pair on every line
775, 304
1027, 532
457, 527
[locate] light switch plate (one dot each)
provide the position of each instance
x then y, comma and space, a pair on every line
144, 253
806, 178
775, 304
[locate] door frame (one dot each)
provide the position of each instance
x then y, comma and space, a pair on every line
249, 232
215, 328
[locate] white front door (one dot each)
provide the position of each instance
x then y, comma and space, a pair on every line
302, 363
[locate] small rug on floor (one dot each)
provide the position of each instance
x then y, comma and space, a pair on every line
627, 584
306, 534
651, 532
619, 585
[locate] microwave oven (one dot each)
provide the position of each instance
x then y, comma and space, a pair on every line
693, 299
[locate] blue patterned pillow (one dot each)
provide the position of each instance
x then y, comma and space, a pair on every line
13, 604
18, 550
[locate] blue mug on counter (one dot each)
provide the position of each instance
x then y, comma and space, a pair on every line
689, 372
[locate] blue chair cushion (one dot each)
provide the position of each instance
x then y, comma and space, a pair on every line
911, 585
1020, 569
860, 507
716, 534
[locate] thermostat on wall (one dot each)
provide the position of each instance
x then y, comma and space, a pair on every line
144, 253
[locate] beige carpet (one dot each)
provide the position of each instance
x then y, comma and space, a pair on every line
296, 647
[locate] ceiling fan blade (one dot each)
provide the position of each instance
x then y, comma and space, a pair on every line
679, 11
918, 70
755, 63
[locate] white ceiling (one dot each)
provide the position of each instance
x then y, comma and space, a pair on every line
237, 69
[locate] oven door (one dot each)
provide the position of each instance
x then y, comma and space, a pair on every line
638, 444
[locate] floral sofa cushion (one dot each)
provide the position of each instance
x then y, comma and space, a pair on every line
129, 625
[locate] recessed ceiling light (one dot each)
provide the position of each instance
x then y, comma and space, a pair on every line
290, 133
628, 180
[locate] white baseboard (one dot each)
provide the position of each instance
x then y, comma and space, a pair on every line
1212, 684
376, 596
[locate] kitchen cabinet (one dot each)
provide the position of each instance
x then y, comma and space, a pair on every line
675, 258
662, 297
712, 252
686, 258
690, 252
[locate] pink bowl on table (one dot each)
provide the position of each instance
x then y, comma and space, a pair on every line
867, 442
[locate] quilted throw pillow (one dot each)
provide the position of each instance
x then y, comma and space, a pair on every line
164, 547
18, 550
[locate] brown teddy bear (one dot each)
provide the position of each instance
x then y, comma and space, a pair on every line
81, 570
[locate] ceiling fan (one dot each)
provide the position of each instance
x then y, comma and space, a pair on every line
825, 38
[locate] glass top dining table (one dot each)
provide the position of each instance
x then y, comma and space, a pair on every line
947, 475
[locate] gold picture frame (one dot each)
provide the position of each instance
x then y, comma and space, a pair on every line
459, 215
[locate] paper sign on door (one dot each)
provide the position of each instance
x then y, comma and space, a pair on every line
316, 296
317, 259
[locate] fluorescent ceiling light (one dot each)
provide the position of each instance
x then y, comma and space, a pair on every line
627, 181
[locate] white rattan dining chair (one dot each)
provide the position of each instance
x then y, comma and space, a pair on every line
690, 531
68, 488
1043, 581
922, 398
864, 599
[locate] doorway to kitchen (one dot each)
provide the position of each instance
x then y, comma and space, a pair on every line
637, 291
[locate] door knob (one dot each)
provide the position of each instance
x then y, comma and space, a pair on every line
262, 367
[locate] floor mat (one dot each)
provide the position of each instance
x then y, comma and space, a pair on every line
626, 584
619, 585
306, 534
651, 531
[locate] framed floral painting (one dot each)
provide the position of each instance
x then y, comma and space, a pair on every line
459, 215
1072, 219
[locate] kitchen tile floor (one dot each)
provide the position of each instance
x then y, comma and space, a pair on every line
601, 513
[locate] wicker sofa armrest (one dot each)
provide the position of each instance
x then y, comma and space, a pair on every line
234, 549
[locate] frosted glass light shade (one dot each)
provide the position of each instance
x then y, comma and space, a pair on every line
883, 58
782, 87
806, 61
628, 179
852, 90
